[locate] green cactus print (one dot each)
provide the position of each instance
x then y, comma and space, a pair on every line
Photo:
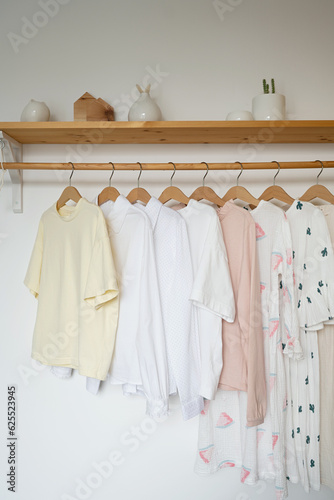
299, 205
309, 300
305, 266
318, 439
312, 463
298, 304
293, 434
311, 407
300, 286
293, 254
308, 231
324, 252
306, 381
308, 440
300, 409
320, 283
319, 291
298, 430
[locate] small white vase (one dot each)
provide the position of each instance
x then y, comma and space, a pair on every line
144, 109
268, 107
35, 111
240, 115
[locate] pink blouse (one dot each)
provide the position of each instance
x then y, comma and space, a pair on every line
243, 349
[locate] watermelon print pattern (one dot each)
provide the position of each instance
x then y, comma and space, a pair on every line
273, 326
262, 286
224, 421
260, 234
276, 260
274, 438
279, 493
206, 453
244, 474
226, 463
259, 434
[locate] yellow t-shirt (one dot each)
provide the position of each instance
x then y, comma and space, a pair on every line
72, 274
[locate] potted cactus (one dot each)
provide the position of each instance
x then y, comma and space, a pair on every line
268, 106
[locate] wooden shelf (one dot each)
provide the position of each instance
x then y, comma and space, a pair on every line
172, 132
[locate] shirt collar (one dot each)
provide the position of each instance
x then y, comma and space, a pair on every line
152, 210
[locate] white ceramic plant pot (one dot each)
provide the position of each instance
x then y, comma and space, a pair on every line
240, 115
35, 111
144, 109
268, 107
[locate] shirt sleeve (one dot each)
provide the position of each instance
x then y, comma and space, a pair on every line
32, 278
284, 271
183, 341
251, 323
150, 341
101, 283
316, 301
212, 288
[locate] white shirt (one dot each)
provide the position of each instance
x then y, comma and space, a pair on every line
212, 292
175, 278
140, 351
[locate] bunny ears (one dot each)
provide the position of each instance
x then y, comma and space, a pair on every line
141, 91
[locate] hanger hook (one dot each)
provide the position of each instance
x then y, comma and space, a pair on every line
242, 169
322, 167
112, 173
207, 171
171, 179
70, 179
141, 169
279, 168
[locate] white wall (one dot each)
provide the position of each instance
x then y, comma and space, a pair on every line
211, 64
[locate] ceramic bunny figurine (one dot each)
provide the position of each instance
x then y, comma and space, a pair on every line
144, 109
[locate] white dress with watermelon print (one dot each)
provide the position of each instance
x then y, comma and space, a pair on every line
224, 438
314, 273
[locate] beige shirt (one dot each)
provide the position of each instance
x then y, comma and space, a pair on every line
72, 274
243, 351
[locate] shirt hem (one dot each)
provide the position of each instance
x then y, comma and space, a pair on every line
71, 363
223, 311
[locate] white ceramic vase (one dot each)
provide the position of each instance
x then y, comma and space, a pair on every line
144, 109
239, 115
268, 107
35, 111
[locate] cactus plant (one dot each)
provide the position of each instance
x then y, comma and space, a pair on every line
273, 86
266, 86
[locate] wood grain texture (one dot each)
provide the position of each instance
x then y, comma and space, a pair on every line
172, 132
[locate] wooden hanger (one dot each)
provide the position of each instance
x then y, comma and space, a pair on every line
173, 192
108, 193
69, 193
240, 193
318, 191
276, 192
138, 193
206, 193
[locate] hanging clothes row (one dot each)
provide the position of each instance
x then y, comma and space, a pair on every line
222, 304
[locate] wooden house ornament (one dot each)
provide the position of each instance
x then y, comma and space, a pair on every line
87, 108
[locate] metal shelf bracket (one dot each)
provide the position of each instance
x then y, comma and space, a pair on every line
12, 153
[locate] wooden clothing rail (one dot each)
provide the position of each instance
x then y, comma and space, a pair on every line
169, 166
